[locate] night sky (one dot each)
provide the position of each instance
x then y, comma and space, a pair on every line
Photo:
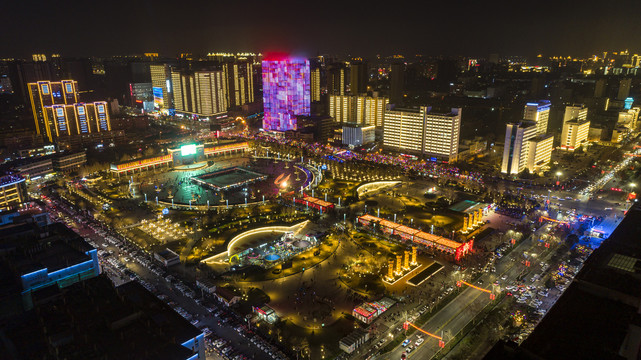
357, 28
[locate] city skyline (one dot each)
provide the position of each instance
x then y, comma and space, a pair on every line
429, 29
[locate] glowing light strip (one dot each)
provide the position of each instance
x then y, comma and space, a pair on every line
423, 331
475, 287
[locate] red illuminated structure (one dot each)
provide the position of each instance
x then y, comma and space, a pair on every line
459, 250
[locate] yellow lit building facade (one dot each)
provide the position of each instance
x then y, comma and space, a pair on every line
200, 94
362, 110
57, 112
576, 127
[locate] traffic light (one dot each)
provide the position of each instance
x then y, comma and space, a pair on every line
492, 296
527, 263
441, 343
406, 325
458, 283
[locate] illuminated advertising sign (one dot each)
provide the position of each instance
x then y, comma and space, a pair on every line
101, 108
81, 110
158, 97
45, 89
68, 88
186, 150
60, 112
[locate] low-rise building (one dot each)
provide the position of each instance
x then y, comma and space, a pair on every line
167, 257
353, 341
226, 296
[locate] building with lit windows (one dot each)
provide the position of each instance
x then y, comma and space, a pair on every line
161, 86
403, 129
540, 152
362, 110
575, 127
358, 135
286, 93
239, 82
421, 131
358, 77
539, 113
48, 93
516, 149
337, 79
199, 94
58, 114
441, 136
13, 191
315, 84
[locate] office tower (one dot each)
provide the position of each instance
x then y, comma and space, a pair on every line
600, 87
397, 82
575, 127
363, 110
78, 119
161, 86
358, 77
199, 94
539, 112
403, 129
13, 192
421, 131
285, 93
540, 152
239, 82
47, 93
336, 79
315, 80
442, 132
141, 96
624, 88
57, 112
515, 152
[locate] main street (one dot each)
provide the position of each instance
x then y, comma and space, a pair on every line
455, 315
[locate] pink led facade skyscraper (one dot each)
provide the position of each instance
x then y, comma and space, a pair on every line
285, 93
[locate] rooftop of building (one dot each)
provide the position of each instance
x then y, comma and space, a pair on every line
32, 248
354, 337
92, 319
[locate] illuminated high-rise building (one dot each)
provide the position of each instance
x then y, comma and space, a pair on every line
397, 83
539, 112
47, 93
358, 77
315, 84
362, 110
200, 94
285, 93
516, 149
575, 127
337, 79
161, 86
421, 131
57, 112
239, 82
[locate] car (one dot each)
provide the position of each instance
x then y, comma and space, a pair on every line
405, 342
419, 341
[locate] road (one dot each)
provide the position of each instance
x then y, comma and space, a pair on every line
455, 315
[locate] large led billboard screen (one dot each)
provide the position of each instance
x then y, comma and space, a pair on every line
187, 150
